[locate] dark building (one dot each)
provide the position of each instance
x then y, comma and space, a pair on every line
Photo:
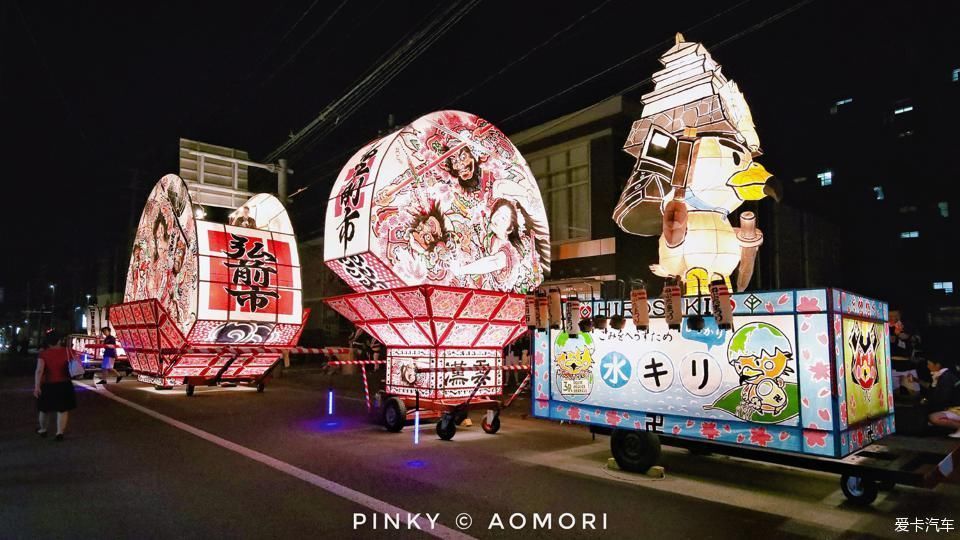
875, 221
892, 192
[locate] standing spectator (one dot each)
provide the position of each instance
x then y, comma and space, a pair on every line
52, 385
586, 325
942, 397
244, 219
360, 345
599, 323
109, 356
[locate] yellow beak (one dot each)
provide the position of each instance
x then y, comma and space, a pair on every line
749, 182
751, 372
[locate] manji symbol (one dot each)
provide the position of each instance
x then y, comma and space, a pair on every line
655, 423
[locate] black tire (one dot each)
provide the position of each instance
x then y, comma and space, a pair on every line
261, 386
460, 416
190, 389
394, 414
635, 451
492, 427
858, 490
446, 427
886, 485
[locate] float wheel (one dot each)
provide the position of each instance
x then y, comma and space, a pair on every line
394, 414
635, 451
190, 389
493, 426
859, 490
446, 427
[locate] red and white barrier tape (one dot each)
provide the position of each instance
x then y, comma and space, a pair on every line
472, 368
355, 362
211, 349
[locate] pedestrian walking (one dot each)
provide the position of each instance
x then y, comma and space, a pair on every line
53, 387
109, 356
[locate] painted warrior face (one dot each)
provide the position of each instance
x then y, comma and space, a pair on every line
427, 233
463, 165
864, 371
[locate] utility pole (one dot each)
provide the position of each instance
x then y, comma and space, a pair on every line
282, 180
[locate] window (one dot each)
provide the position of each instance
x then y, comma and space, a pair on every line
563, 174
826, 178
944, 208
910, 234
955, 75
839, 103
878, 192
903, 109
945, 286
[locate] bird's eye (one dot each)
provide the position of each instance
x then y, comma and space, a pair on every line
736, 158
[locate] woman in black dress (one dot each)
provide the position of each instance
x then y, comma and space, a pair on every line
52, 385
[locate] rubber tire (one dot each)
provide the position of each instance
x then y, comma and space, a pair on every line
886, 485
858, 490
492, 427
261, 386
446, 427
635, 451
394, 414
460, 417
190, 389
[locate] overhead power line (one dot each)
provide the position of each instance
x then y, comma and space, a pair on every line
655, 47
473, 88
402, 55
306, 42
551, 125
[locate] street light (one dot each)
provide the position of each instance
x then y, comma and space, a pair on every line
53, 303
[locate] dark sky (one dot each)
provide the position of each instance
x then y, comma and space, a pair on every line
95, 94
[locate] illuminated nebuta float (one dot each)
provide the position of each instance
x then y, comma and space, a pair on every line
695, 145
209, 302
802, 371
440, 229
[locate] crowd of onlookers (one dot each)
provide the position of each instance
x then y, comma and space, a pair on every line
925, 376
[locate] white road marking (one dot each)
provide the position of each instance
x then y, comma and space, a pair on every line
809, 513
439, 531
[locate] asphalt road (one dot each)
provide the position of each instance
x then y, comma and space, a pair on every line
238, 464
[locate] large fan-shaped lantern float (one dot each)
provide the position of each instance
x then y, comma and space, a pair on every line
440, 229
206, 301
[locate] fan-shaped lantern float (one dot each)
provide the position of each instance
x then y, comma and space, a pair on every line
196, 287
440, 229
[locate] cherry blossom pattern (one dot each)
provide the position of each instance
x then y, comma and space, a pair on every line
815, 438
760, 436
709, 430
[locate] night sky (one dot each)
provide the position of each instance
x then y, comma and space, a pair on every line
96, 94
